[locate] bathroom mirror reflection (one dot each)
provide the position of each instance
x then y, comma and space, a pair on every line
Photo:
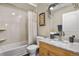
66, 15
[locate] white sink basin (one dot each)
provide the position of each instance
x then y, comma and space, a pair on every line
59, 41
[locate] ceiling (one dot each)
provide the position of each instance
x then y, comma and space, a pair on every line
31, 6
42, 4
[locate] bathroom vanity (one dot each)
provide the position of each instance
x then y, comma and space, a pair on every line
59, 47
48, 47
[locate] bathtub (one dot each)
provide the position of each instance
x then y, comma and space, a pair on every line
14, 49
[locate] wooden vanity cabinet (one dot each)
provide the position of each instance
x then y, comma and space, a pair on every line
50, 50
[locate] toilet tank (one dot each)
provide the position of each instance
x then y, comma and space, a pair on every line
39, 38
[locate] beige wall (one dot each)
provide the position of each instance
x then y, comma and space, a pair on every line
51, 24
43, 30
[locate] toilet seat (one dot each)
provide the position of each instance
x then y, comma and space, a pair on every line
31, 47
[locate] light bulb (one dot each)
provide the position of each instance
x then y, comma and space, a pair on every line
51, 8
13, 13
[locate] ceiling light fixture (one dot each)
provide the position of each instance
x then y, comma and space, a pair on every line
13, 13
51, 8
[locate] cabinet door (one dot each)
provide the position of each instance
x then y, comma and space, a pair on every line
51, 54
43, 52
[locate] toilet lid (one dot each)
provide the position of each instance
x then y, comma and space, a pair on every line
31, 47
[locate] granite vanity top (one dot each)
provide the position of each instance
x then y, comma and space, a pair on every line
74, 47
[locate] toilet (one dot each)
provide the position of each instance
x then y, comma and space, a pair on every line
32, 48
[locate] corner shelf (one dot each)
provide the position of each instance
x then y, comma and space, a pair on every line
1, 40
2, 29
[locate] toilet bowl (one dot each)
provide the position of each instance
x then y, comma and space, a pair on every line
32, 48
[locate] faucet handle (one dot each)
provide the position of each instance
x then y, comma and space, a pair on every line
73, 36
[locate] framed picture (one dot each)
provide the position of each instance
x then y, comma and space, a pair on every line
42, 19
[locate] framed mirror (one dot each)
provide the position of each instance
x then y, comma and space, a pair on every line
42, 19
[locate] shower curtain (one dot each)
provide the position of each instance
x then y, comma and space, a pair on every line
32, 27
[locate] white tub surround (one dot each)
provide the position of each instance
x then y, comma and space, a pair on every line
74, 47
14, 49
